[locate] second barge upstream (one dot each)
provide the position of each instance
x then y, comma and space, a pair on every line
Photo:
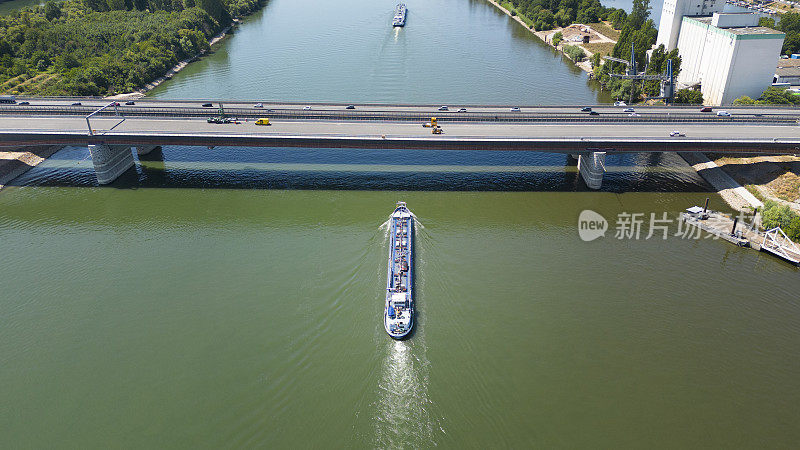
399, 19
398, 314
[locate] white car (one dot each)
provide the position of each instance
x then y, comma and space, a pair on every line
633, 114
677, 134
443, 108
723, 114
258, 105
306, 108
629, 110
620, 104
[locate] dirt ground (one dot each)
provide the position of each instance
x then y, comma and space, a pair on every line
774, 177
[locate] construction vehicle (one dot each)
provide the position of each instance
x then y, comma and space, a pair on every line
437, 130
221, 117
431, 124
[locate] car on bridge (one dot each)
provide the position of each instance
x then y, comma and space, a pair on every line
130, 103
444, 108
628, 110
677, 133
350, 107
462, 110
586, 109
76, 104
306, 108
723, 114
705, 109
207, 105
258, 105
594, 113
24, 103
515, 109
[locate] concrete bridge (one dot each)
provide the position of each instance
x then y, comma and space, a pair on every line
111, 130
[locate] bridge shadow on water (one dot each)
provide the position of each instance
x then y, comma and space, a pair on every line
394, 170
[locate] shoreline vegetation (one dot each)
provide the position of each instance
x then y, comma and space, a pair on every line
117, 48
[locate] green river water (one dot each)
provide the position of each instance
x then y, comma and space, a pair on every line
232, 297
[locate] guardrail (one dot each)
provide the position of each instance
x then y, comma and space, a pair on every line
399, 116
454, 104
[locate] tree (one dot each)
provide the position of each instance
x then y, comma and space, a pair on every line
688, 96
52, 11
744, 100
557, 38
639, 13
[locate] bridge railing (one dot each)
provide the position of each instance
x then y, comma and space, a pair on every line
396, 116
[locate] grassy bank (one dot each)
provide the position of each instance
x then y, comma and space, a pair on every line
96, 47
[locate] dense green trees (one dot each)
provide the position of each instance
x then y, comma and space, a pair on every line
640, 31
771, 96
99, 47
789, 24
688, 96
549, 14
778, 215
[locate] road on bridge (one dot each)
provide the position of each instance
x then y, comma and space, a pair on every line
537, 136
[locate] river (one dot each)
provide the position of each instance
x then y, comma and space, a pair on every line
232, 297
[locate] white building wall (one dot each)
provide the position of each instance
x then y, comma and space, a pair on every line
672, 12
753, 67
725, 64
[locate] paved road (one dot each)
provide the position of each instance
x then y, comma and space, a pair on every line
376, 134
142, 104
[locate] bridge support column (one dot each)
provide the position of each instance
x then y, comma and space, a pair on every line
110, 161
592, 166
145, 149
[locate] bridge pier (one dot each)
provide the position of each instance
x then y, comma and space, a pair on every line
145, 149
592, 166
110, 161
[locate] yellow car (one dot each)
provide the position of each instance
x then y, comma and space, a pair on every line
262, 122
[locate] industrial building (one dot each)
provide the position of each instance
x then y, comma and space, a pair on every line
672, 14
788, 71
727, 55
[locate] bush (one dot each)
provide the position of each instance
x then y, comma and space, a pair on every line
557, 38
574, 52
777, 215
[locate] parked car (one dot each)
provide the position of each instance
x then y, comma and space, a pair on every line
628, 110
130, 103
594, 113
76, 104
586, 109
443, 108
306, 108
515, 109
723, 114
620, 104
705, 109
462, 110
258, 105
350, 107
677, 134
24, 103
207, 105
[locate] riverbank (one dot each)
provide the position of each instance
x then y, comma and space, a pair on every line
729, 189
14, 161
601, 42
176, 68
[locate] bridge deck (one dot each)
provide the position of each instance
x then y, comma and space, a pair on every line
550, 137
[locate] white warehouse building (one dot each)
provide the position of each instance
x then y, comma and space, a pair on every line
672, 13
728, 55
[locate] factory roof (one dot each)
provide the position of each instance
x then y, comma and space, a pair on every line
739, 32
